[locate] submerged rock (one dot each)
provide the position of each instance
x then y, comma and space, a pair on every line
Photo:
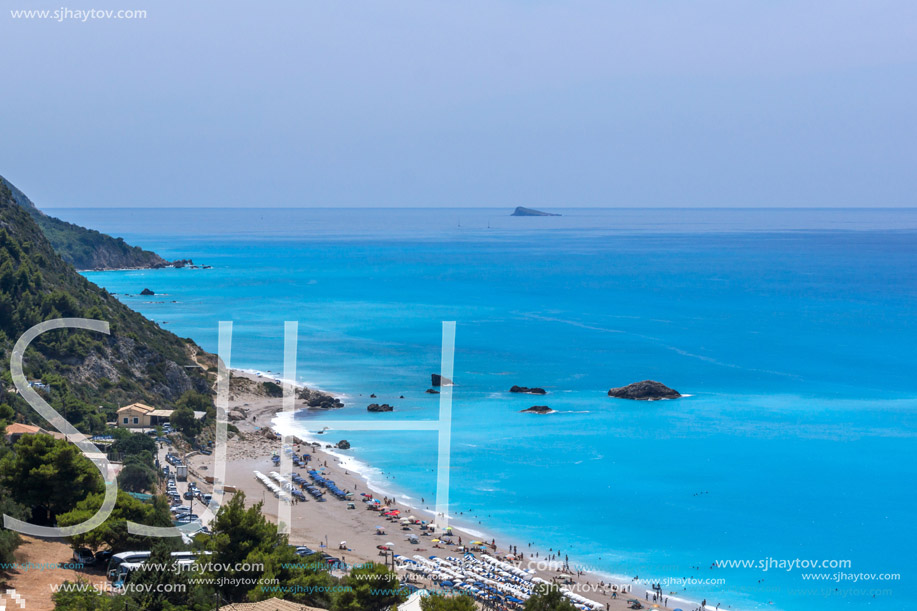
647, 390
375, 407
538, 409
430, 391
529, 391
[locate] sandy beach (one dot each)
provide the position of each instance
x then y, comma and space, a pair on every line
318, 524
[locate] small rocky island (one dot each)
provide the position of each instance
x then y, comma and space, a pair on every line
375, 407
528, 391
647, 390
538, 409
147, 292
523, 211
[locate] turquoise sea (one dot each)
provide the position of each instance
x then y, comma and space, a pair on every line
792, 331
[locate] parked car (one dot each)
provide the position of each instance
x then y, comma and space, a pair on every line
104, 556
84, 556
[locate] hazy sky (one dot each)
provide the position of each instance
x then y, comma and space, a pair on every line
465, 102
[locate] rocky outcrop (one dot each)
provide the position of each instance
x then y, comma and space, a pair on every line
523, 211
375, 407
236, 415
147, 292
528, 391
438, 380
647, 390
430, 391
343, 445
319, 400
84, 248
538, 409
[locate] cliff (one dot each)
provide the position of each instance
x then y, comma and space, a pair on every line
87, 375
85, 248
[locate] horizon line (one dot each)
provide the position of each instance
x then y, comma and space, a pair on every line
494, 207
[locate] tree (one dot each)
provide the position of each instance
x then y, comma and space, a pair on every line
309, 584
370, 587
112, 533
547, 597
9, 539
49, 475
196, 401
240, 537
183, 421
131, 444
136, 475
244, 537
81, 597
441, 603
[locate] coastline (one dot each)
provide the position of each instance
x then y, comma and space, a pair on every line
317, 524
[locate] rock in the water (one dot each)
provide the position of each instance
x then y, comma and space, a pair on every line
147, 292
430, 391
523, 211
375, 407
538, 409
438, 380
318, 399
647, 390
527, 390
343, 445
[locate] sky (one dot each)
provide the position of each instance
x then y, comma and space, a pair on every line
462, 103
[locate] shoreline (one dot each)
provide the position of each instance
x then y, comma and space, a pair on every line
328, 523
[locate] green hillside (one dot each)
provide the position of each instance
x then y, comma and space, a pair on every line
85, 248
88, 374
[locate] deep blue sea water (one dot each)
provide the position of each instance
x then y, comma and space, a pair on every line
792, 331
